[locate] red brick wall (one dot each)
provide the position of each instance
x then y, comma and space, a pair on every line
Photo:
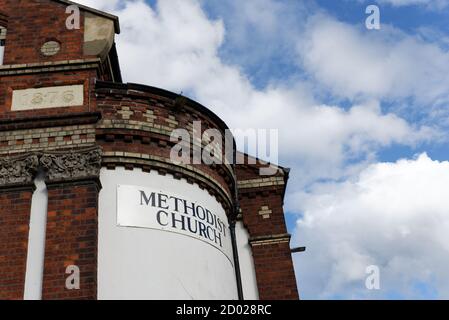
273, 261
261, 201
71, 239
257, 226
274, 272
31, 23
15, 208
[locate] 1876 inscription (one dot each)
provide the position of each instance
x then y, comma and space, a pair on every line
49, 97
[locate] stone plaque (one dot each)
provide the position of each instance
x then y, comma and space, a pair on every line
49, 97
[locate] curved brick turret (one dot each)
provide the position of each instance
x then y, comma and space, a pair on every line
136, 127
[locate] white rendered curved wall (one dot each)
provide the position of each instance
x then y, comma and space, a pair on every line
247, 268
143, 263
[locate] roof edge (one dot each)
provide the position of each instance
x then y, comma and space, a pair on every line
164, 93
95, 11
285, 170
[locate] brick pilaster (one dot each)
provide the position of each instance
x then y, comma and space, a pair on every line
274, 271
15, 206
71, 239
16, 191
263, 215
73, 185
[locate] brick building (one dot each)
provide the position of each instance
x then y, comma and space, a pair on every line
89, 193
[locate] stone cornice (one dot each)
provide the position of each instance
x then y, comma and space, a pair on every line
270, 239
65, 65
261, 182
3, 20
49, 121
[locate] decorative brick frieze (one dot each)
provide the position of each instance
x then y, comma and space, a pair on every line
163, 165
135, 125
172, 123
150, 127
265, 212
148, 105
146, 144
149, 116
45, 139
125, 113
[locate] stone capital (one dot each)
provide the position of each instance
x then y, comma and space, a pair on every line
18, 170
73, 165
59, 166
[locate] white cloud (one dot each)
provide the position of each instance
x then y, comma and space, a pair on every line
394, 215
386, 64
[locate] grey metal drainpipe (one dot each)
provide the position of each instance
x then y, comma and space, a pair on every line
236, 211
238, 275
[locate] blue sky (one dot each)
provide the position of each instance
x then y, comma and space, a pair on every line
362, 118
410, 19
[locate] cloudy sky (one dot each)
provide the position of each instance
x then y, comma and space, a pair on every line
362, 116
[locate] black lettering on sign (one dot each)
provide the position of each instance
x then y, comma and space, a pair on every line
143, 197
159, 220
181, 214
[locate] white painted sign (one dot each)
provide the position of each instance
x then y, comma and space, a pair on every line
49, 97
145, 207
